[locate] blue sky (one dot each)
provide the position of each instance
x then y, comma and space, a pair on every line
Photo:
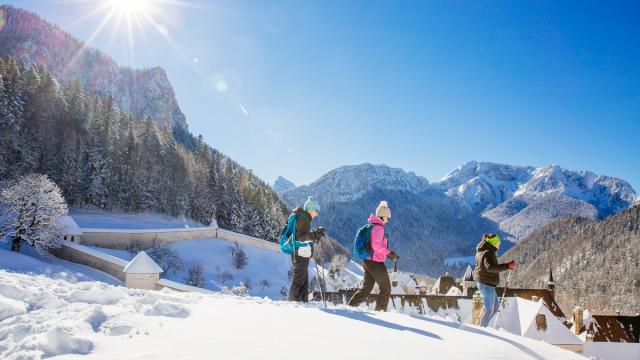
299, 88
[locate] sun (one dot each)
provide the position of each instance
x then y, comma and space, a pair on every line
130, 7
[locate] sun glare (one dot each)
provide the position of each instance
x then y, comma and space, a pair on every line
130, 7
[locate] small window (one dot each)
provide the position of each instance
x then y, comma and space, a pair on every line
72, 238
65, 237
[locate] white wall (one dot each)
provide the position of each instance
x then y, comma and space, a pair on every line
612, 351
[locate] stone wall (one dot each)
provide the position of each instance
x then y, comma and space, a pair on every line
120, 239
79, 254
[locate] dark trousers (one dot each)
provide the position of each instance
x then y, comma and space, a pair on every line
374, 272
299, 290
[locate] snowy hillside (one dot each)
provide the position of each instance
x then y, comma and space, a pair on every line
42, 317
265, 274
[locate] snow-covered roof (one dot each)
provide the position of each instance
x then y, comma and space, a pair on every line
142, 264
67, 225
468, 274
519, 317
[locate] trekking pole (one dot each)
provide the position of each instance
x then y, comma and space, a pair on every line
394, 282
319, 283
504, 294
323, 285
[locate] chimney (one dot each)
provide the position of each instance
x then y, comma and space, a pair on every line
541, 322
578, 319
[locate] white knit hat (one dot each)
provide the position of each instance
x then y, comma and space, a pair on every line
383, 210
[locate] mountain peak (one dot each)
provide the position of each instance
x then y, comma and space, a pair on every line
351, 181
281, 184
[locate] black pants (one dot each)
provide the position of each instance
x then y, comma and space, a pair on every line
374, 272
299, 290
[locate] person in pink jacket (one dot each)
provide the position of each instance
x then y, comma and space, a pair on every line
374, 269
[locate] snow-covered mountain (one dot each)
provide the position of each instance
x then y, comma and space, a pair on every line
281, 184
348, 183
143, 92
522, 199
435, 221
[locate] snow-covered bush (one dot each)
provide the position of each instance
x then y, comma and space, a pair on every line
240, 290
31, 205
195, 275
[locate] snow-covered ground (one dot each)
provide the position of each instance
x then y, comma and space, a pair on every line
44, 317
31, 262
107, 220
215, 257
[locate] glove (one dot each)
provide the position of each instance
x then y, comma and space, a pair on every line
511, 265
319, 232
393, 256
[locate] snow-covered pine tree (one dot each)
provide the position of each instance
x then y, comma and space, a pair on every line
96, 175
31, 205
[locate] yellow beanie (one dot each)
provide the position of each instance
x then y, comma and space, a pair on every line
383, 210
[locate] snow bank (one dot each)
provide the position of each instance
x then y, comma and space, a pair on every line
140, 324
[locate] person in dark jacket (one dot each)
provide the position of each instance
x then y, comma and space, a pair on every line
487, 274
374, 269
299, 290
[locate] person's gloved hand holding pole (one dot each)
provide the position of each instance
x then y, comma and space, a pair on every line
393, 256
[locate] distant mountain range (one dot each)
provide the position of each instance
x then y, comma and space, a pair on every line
145, 93
595, 263
435, 221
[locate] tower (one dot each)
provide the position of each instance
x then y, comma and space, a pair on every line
551, 285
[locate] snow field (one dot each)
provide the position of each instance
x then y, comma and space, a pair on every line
58, 318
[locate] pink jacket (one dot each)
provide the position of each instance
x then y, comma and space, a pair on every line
378, 241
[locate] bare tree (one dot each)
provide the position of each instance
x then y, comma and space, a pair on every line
167, 258
238, 256
226, 276
195, 275
265, 284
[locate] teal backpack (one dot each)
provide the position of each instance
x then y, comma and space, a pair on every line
362, 243
288, 241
